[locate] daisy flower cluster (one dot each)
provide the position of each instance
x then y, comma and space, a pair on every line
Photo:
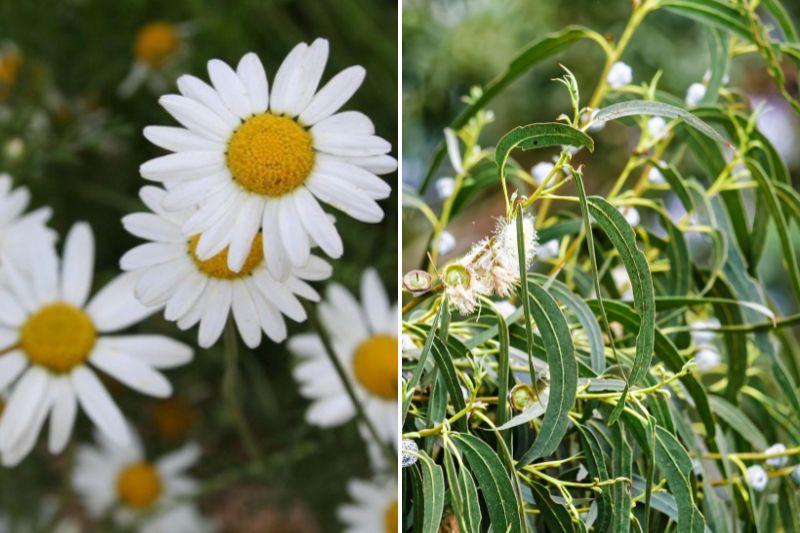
491, 266
237, 227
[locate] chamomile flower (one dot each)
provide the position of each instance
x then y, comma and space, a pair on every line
373, 507
52, 340
157, 47
10, 63
364, 338
171, 275
619, 75
144, 496
16, 226
255, 158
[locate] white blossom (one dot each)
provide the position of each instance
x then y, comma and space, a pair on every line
445, 187
541, 170
757, 477
695, 93
620, 74
707, 359
780, 461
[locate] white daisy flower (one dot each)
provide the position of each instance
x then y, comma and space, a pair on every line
364, 338
619, 75
170, 275
707, 359
541, 170
695, 93
146, 497
157, 48
16, 226
254, 158
52, 341
757, 477
445, 187
373, 508
780, 461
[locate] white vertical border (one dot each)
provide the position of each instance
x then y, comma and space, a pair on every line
399, 260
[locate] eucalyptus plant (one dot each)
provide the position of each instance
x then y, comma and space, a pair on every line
612, 362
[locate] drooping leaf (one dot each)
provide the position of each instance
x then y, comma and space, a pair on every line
539, 135
674, 462
429, 494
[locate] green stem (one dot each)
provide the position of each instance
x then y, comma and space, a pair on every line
229, 392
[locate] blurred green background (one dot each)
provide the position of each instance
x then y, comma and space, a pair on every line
67, 135
451, 46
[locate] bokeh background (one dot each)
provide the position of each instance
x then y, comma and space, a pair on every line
451, 46
68, 135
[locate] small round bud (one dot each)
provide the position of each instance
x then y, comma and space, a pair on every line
757, 477
456, 275
417, 282
780, 461
408, 449
522, 396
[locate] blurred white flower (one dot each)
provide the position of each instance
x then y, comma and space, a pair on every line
258, 158
53, 340
622, 282
157, 48
549, 249
726, 79
778, 122
695, 93
505, 307
655, 176
17, 229
700, 333
757, 477
620, 74
656, 128
541, 170
631, 214
445, 187
707, 358
780, 461
596, 126
364, 338
139, 495
447, 242
14, 148
373, 507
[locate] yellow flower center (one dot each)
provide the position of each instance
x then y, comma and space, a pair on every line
138, 485
270, 155
217, 266
375, 365
155, 42
58, 337
391, 518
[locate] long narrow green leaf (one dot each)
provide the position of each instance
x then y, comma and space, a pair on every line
494, 482
621, 466
423, 358
738, 422
660, 109
539, 135
554, 515
563, 372
432, 496
463, 495
447, 373
596, 465
623, 238
674, 462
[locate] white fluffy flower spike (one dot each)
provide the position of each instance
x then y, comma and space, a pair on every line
255, 157
52, 341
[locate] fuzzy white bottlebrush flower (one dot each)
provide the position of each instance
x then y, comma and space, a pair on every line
373, 507
756, 477
51, 341
695, 93
16, 226
171, 275
619, 75
505, 249
364, 339
142, 496
255, 158
779, 461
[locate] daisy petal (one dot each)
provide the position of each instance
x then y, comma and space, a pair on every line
183, 165
347, 145
333, 95
11, 312
157, 351
246, 316
274, 254
62, 417
180, 140
205, 95
184, 297
375, 187
24, 444
229, 87
284, 89
179, 461
254, 79
99, 405
317, 223
310, 73
197, 117
131, 372
215, 314
375, 301
11, 366
345, 197
377, 164
348, 122
247, 223
293, 235
27, 395
115, 307
152, 227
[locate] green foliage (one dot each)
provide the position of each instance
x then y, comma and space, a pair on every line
659, 355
